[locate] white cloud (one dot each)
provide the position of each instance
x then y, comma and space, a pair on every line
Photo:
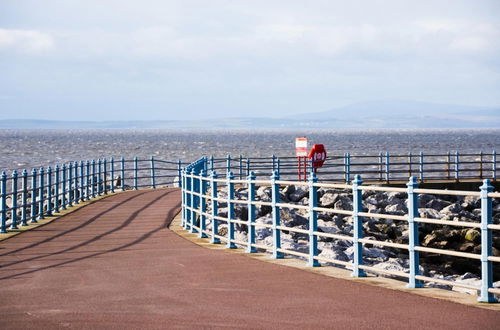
26, 41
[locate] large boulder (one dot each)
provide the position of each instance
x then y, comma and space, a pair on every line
328, 199
298, 194
343, 203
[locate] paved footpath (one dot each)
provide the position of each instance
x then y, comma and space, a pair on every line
115, 264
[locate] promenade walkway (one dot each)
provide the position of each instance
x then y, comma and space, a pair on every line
115, 264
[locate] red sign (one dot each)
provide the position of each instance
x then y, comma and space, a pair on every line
317, 155
301, 147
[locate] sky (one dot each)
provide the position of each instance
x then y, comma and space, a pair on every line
160, 60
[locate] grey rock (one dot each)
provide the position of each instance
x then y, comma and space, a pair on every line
298, 194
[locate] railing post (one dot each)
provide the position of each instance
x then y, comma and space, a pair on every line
56, 190
241, 167
183, 199
448, 165
486, 244
409, 164
189, 196
387, 167
357, 206
278, 165
33, 195
153, 181
203, 204
380, 166
211, 163
457, 166
248, 166
42, 187
93, 178
228, 163
194, 199
49, 191
88, 180
274, 163
112, 174
276, 216
230, 211
3, 228
82, 181
251, 213
481, 164
13, 211
346, 169
76, 188
122, 168
24, 215
135, 172
70, 184
313, 221
180, 182
215, 208
105, 175
494, 165
99, 177
413, 233
421, 166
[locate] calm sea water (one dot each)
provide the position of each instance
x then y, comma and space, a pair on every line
29, 148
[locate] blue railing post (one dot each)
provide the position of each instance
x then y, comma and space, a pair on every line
93, 178
457, 166
76, 188
135, 172
274, 163
63, 196
3, 228
357, 206
70, 184
348, 168
413, 240
251, 213
122, 169
248, 166
481, 164
13, 212
494, 165
56, 190
49, 191
313, 221
228, 163
88, 180
203, 204
183, 199
99, 177
194, 199
82, 181
409, 164
486, 244
380, 165
33, 195
41, 191
153, 181
180, 182
278, 165
387, 167
421, 166
112, 174
105, 175
215, 208
346, 175
211, 163
190, 199
24, 216
241, 167
230, 211
275, 189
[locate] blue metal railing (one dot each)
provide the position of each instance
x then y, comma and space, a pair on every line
47, 191
200, 190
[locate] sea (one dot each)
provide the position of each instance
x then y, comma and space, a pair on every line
26, 149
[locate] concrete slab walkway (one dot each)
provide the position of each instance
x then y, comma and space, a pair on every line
115, 265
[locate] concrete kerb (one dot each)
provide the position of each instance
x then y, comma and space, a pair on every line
384, 282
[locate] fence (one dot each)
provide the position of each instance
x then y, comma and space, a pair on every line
201, 191
382, 167
26, 197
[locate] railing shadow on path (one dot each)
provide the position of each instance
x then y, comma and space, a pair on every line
170, 214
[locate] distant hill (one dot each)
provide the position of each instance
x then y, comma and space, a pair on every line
378, 114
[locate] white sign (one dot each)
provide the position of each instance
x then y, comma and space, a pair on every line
301, 147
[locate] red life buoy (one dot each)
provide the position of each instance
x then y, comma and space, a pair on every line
317, 155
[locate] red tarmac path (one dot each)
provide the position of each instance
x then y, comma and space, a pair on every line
115, 264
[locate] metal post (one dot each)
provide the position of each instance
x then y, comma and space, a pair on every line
24, 215
346, 176
481, 164
49, 191
153, 181
203, 206
228, 163
87, 180
33, 195
183, 199
215, 207
135, 172
76, 188
3, 228
41, 191
494, 165
274, 163
486, 244
348, 167
357, 206
457, 166
122, 168
248, 166
387, 168
380, 166
13, 211
82, 181
409, 164
56, 186
189, 197
112, 174
105, 175
99, 177
278, 165
70, 184
93, 178
413, 233
448, 165
194, 200
251, 213
180, 182
63, 196
313, 221
421, 166
211, 163
241, 167
230, 211
276, 216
